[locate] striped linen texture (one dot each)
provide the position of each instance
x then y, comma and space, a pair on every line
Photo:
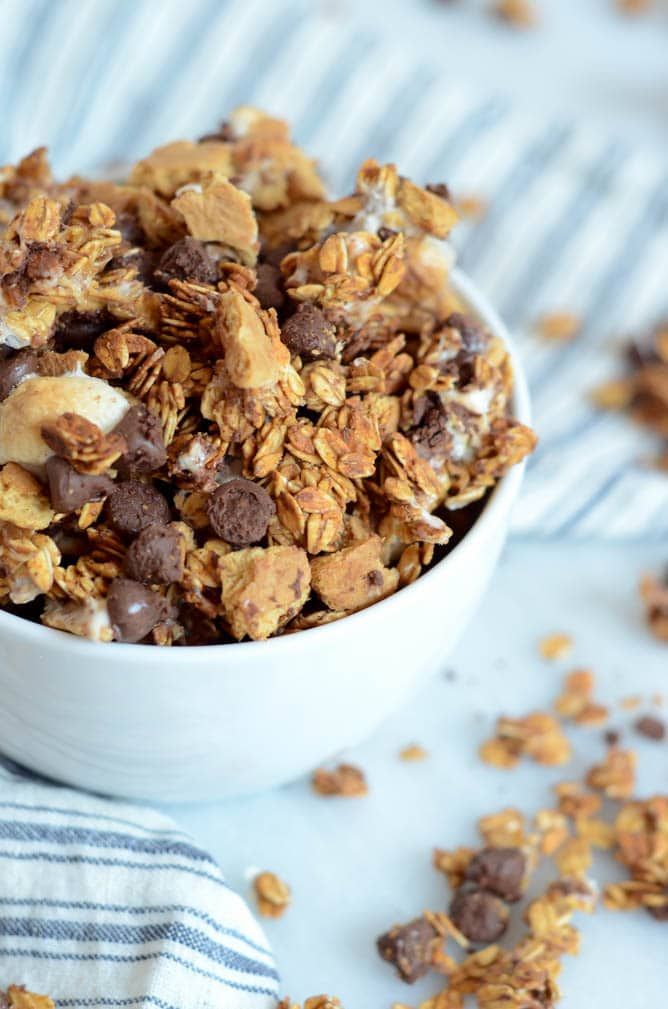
104, 904
576, 221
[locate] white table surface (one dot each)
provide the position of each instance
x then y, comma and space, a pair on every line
357, 866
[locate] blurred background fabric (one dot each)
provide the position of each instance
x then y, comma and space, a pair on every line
575, 216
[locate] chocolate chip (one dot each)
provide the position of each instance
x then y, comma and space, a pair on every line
474, 337
431, 437
133, 506
146, 451
500, 870
239, 512
225, 133
410, 948
42, 261
15, 368
611, 737
439, 189
275, 255
309, 334
79, 330
187, 259
385, 233
650, 727
134, 610
143, 261
71, 541
268, 289
69, 490
155, 557
130, 228
197, 628
478, 914
660, 913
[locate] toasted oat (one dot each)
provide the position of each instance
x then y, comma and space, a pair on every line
558, 326
575, 701
518, 13
615, 775
345, 780
413, 752
555, 646
272, 894
537, 736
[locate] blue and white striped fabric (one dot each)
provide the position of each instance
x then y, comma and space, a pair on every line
576, 221
104, 904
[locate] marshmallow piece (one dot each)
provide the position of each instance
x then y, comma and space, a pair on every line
40, 400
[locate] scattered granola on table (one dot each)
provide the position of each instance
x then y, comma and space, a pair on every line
314, 1002
559, 326
576, 700
537, 736
654, 595
231, 407
345, 780
555, 646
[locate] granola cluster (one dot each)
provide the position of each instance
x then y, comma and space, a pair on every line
18, 997
229, 406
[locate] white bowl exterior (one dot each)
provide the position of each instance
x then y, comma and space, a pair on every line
203, 723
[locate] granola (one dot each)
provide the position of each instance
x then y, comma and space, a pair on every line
18, 997
272, 893
259, 409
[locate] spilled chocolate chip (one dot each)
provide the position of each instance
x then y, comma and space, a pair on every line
133, 506
15, 368
69, 490
439, 189
309, 334
650, 727
134, 610
385, 233
269, 289
473, 336
155, 557
500, 870
611, 737
239, 512
79, 330
146, 451
187, 259
478, 914
410, 948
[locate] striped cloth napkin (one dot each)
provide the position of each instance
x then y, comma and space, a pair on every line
576, 221
104, 904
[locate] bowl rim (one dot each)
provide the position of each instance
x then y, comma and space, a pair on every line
12, 625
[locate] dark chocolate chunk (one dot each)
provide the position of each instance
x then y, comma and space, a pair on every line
69, 490
309, 334
474, 336
439, 189
478, 914
79, 330
134, 610
15, 368
385, 233
133, 506
275, 255
239, 512
431, 437
187, 259
650, 727
410, 948
500, 870
130, 228
197, 628
42, 261
155, 557
269, 289
611, 737
660, 913
146, 451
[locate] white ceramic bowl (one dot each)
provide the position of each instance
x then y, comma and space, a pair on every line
187, 724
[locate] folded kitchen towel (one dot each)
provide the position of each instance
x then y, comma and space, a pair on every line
104, 904
575, 221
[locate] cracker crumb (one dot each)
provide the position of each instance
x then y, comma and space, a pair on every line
413, 752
